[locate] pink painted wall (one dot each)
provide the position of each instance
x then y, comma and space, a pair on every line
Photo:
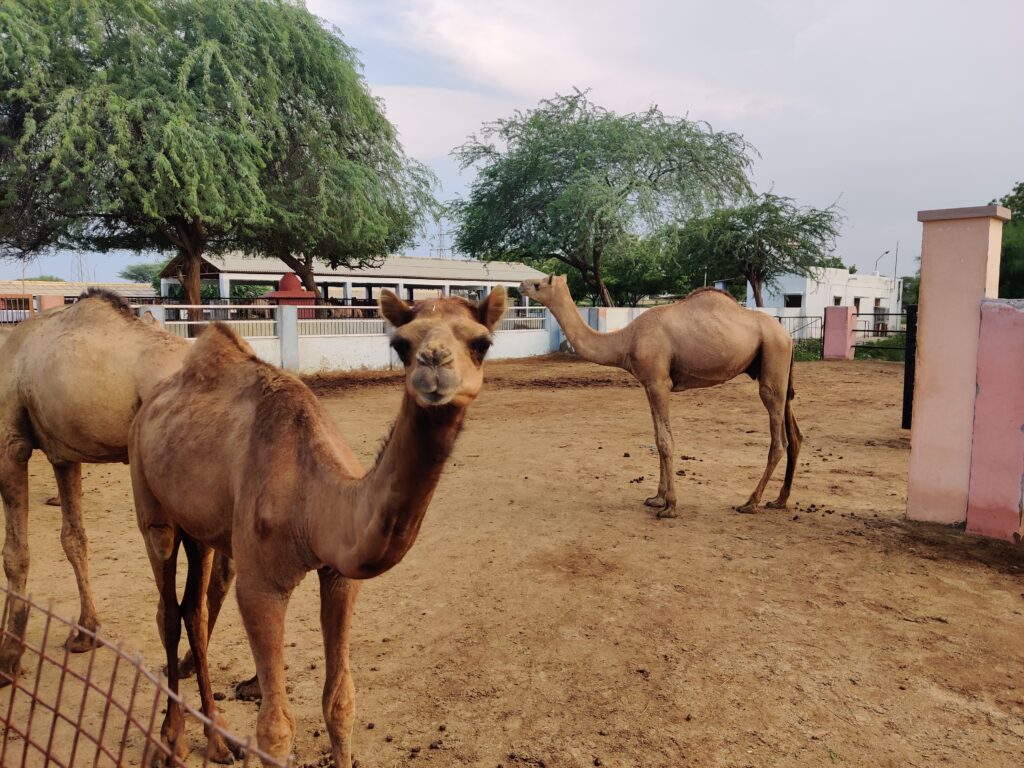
997, 458
840, 333
48, 302
959, 268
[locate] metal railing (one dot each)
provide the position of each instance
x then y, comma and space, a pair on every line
803, 326
340, 321
98, 708
524, 319
252, 321
879, 325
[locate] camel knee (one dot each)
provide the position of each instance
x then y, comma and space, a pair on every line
16, 562
275, 729
340, 708
73, 538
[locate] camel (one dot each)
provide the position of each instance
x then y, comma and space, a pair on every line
705, 339
74, 379
233, 455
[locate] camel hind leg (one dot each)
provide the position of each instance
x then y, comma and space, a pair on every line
794, 440
196, 616
76, 547
337, 598
774, 391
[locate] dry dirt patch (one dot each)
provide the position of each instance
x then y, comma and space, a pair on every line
545, 617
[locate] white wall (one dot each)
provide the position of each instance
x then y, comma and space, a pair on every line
319, 354
509, 344
821, 291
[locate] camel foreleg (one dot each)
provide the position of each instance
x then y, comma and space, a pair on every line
658, 398
14, 489
76, 547
337, 598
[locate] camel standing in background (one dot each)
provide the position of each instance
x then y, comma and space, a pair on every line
73, 380
705, 339
233, 455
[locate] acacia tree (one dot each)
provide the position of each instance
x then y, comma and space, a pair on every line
160, 124
767, 237
338, 185
569, 179
1011, 268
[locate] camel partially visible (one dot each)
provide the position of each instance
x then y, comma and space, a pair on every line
73, 380
705, 339
235, 456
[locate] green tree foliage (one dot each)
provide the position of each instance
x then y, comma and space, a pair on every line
569, 179
144, 272
1011, 269
48, 279
911, 288
760, 240
167, 124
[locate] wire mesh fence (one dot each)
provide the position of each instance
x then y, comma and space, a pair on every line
99, 708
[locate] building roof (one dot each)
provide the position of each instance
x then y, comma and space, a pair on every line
69, 288
392, 267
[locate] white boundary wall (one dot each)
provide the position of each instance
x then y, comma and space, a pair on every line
287, 341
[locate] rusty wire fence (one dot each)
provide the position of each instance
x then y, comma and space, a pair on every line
99, 708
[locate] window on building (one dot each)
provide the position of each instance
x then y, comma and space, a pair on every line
856, 304
793, 300
837, 301
878, 303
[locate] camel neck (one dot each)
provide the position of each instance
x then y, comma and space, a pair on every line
597, 347
389, 503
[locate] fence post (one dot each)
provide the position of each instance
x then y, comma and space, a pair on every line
839, 334
909, 365
288, 334
959, 268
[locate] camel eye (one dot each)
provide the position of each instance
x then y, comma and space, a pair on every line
402, 348
479, 347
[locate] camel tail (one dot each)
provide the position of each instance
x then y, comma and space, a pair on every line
790, 392
793, 437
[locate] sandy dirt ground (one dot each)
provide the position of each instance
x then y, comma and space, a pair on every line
546, 618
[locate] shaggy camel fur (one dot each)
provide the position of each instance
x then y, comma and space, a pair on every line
703, 340
74, 378
233, 455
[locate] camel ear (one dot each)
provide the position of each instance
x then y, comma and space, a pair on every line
491, 309
148, 318
551, 278
395, 311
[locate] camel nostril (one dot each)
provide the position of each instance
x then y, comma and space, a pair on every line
435, 356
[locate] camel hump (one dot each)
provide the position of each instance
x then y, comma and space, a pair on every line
709, 289
217, 349
115, 300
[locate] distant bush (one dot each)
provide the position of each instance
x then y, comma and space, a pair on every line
807, 349
873, 349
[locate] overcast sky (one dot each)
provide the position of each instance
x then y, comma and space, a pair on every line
886, 107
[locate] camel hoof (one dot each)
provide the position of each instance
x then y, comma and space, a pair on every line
173, 752
747, 509
53, 501
249, 690
80, 642
219, 751
777, 504
655, 501
187, 665
8, 675
668, 511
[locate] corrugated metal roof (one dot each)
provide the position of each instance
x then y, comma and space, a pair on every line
68, 288
393, 267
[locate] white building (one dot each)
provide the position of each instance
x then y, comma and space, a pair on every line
876, 298
410, 277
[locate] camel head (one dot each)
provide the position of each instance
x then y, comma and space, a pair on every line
442, 344
544, 290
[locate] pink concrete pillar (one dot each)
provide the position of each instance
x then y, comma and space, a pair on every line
840, 333
959, 268
49, 302
997, 457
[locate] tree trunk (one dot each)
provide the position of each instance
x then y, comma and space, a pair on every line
602, 290
191, 283
303, 269
758, 287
